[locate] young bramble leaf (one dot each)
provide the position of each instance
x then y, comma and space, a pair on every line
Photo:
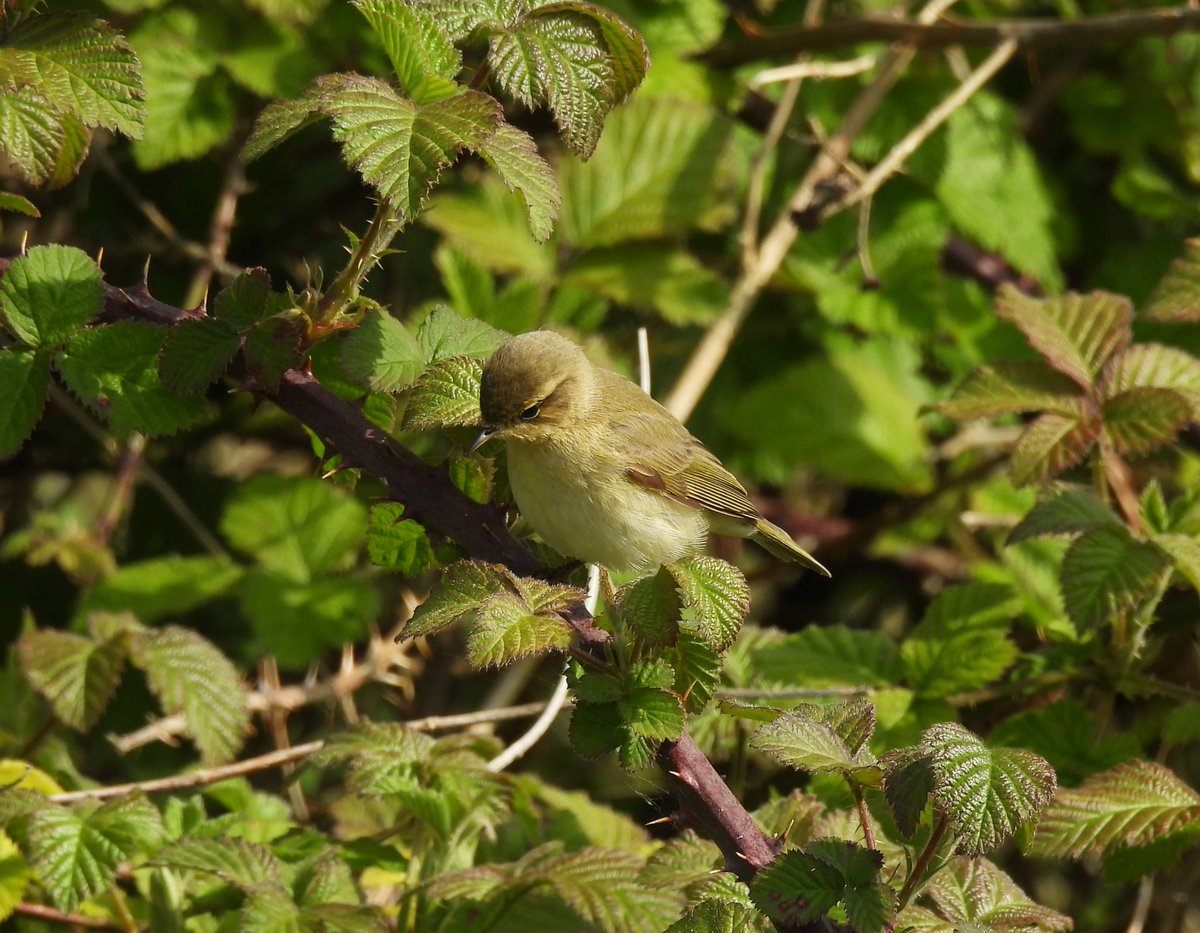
1107, 571
1052, 443
1070, 510
1154, 366
804, 884
1134, 804
246, 300
395, 543
461, 590
1140, 419
423, 56
115, 368
835, 654
272, 348
195, 353
17, 203
800, 738
716, 916
444, 334
1177, 297
505, 630
697, 672
235, 861
514, 155
446, 395
76, 851
1184, 551
650, 608
381, 354
907, 784
596, 729
1067, 736
77, 676
1077, 334
976, 895
715, 599
34, 134
83, 66
50, 293
652, 713
986, 793
1011, 388
24, 382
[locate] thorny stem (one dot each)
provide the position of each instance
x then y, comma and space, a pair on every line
864, 815
349, 279
920, 870
50, 915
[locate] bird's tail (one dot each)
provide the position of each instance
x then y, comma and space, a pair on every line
780, 543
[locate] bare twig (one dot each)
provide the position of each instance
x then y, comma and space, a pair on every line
1026, 33
220, 230
49, 914
1141, 907
843, 69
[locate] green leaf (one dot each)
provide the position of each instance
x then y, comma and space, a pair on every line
697, 672
446, 395
1077, 334
577, 59
76, 852
962, 641
14, 876
1053, 443
714, 916
802, 885
381, 354
196, 353
76, 675
444, 334
1010, 388
33, 132
505, 630
82, 65
1068, 511
1154, 366
986, 793
801, 739
246, 300
423, 55
652, 713
715, 599
907, 784
1177, 297
49, 294
831, 655
377, 752
272, 348
24, 382
975, 895
161, 587
15, 202
1140, 419
235, 861
1184, 552
1106, 571
115, 369
1067, 736
1134, 804
514, 155
298, 526
596, 729
190, 676
660, 169
650, 607
395, 543
459, 593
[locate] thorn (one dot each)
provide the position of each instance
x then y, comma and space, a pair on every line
24, 241
659, 821
146, 271
334, 471
741, 856
100, 257
675, 774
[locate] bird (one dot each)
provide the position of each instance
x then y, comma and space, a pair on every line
601, 471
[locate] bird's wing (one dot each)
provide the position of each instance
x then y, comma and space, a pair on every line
663, 456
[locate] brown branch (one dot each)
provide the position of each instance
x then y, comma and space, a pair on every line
1027, 33
49, 915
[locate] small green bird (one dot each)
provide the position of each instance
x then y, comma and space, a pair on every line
602, 471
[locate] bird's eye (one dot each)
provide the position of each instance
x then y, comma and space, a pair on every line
530, 413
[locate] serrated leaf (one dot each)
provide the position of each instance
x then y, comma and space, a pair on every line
1051, 444
50, 293
395, 543
381, 354
190, 676
239, 862
14, 876
375, 752
422, 55
1077, 334
514, 155
76, 675
986, 793
444, 334
1067, 736
650, 608
82, 65
652, 713
1177, 297
115, 369
596, 729
800, 740
697, 672
853, 719
15, 202
460, 591
1154, 366
1140, 419
1106, 572
33, 132
1011, 388
270, 909
76, 852
907, 784
802, 885
299, 526
831, 655
602, 886
24, 382
1184, 551
1068, 511
715, 599
505, 630
715, 916
976, 895
246, 300
446, 395
1133, 804
559, 55
962, 641
195, 353
161, 587
272, 348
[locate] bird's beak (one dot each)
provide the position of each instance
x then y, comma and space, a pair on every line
484, 436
